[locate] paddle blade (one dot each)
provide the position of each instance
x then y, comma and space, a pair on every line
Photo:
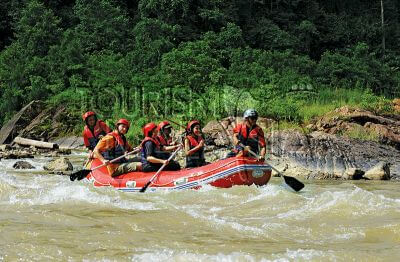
145, 187
81, 174
293, 183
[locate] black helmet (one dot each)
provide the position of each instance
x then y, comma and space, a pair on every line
250, 113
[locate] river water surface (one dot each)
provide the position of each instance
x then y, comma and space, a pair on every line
46, 217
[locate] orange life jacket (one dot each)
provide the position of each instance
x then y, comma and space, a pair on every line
253, 137
120, 148
91, 138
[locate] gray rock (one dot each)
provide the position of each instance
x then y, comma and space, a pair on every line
5, 147
69, 142
23, 165
353, 174
379, 172
20, 120
330, 156
59, 164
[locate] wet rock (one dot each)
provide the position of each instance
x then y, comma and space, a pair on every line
64, 151
23, 165
59, 164
329, 156
70, 142
16, 154
353, 174
5, 147
379, 172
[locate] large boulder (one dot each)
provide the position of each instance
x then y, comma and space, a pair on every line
379, 172
382, 128
330, 156
20, 120
353, 174
59, 165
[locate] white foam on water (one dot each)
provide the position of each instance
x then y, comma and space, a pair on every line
289, 255
268, 192
220, 223
354, 202
38, 163
66, 192
170, 255
308, 254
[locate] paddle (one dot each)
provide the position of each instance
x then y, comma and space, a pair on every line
159, 171
88, 160
81, 174
290, 181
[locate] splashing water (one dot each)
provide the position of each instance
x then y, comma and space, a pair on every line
47, 217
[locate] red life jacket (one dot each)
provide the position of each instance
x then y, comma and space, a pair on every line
120, 148
254, 138
92, 138
193, 142
162, 141
197, 158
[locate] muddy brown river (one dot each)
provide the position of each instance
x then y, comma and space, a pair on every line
48, 218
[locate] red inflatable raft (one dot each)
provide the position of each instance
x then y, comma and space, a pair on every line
223, 173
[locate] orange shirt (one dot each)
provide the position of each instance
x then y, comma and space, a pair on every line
107, 143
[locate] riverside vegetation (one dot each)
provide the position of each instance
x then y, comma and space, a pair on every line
145, 60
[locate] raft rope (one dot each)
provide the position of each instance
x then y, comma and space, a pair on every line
173, 181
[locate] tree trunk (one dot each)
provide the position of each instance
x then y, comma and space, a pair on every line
35, 143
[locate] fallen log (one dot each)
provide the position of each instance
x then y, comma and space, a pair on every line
30, 142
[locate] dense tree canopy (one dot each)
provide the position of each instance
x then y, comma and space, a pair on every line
182, 57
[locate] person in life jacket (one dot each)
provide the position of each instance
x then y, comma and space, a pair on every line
152, 153
93, 131
113, 145
250, 135
164, 133
194, 145
164, 138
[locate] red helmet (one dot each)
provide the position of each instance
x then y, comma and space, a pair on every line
124, 122
87, 114
191, 124
162, 125
148, 128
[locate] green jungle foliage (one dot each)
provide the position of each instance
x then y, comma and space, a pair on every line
155, 59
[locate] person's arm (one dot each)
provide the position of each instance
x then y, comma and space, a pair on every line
170, 148
85, 140
105, 127
262, 154
189, 151
104, 144
263, 145
155, 160
235, 136
235, 139
150, 149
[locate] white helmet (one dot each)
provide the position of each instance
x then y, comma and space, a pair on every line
250, 113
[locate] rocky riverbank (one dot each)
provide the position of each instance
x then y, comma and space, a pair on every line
346, 143
328, 148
